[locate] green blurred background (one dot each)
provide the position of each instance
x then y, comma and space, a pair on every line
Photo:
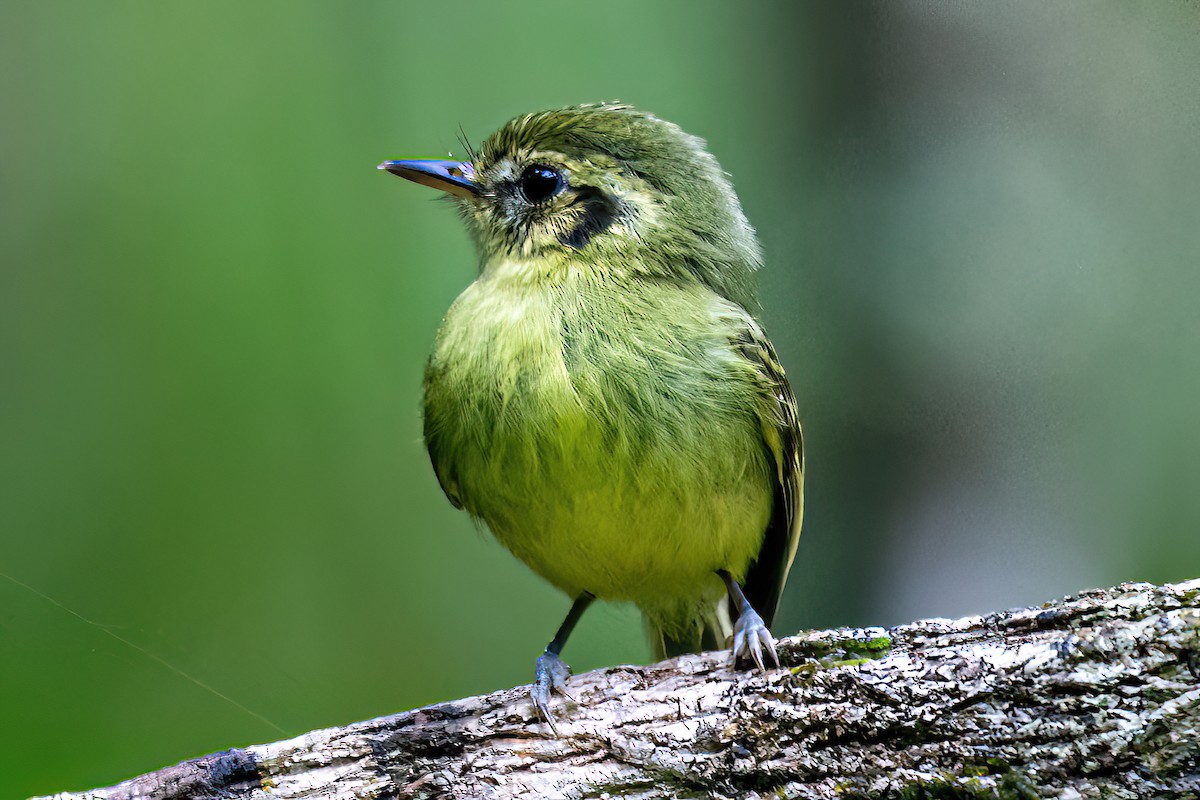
981, 223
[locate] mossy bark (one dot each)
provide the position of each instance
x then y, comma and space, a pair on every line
1092, 696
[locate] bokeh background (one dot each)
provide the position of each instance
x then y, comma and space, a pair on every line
981, 223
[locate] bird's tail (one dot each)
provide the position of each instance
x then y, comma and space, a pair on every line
711, 632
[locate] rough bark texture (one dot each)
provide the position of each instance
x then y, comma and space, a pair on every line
1093, 696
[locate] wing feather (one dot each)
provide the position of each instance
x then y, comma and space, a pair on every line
784, 441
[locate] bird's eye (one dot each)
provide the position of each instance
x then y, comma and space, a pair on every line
539, 183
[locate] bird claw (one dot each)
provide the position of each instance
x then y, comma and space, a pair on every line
750, 637
549, 676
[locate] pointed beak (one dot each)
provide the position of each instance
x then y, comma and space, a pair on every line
453, 177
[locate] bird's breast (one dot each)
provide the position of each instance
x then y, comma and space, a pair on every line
605, 434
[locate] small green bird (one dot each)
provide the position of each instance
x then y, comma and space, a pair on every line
602, 396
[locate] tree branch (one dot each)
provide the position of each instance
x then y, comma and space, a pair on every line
1092, 696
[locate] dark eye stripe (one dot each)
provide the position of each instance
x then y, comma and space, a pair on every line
598, 216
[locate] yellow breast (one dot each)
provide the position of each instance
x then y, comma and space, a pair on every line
602, 434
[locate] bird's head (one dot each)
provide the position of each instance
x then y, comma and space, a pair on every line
600, 187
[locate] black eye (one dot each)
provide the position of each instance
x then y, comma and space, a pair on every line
539, 183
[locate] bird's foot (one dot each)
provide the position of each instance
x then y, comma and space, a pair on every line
750, 636
549, 676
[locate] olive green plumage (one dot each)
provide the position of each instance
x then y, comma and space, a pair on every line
640, 165
603, 396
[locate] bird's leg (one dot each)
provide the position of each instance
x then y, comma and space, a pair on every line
551, 673
750, 634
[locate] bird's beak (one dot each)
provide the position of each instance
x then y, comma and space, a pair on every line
453, 177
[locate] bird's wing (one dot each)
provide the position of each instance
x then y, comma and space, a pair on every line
434, 444
449, 485
785, 444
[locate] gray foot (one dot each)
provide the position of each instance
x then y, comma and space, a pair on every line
750, 636
549, 676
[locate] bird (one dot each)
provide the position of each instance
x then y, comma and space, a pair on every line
603, 396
